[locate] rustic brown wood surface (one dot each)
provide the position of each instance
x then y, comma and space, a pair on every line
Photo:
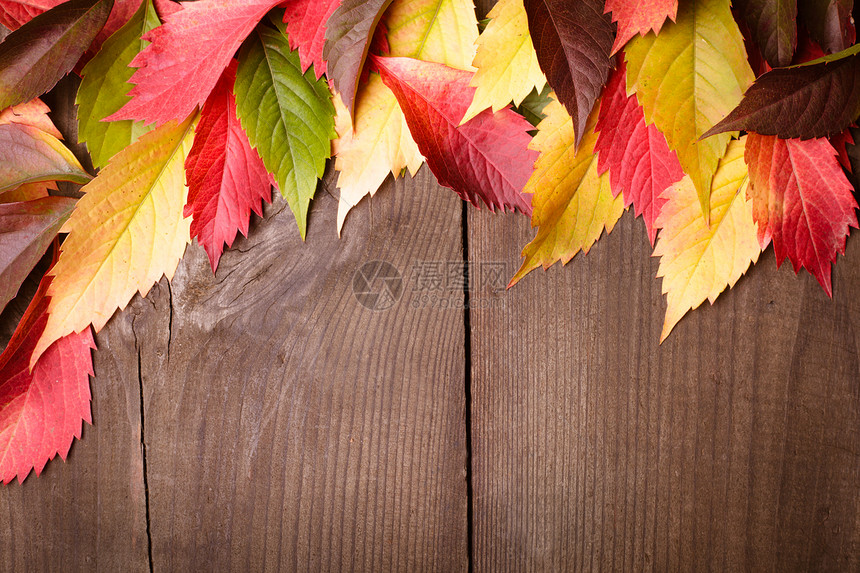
263, 419
734, 446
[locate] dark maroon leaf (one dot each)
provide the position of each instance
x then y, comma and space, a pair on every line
34, 57
829, 22
808, 101
573, 40
347, 40
773, 24
26, 232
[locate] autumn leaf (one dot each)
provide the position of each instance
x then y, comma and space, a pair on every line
166, 7
829, 22
636, 155
573, 41
125, 233
104, 87
774, 27
816, 99
689, 77
347, 40
34, 57
440, 31
802, 200
226, 178
16, 13
28, 155
26, 231
508, 69
841, 142
288, 116
639, 17
572, 203
181, 66
28, 192
306, 26
533, 105
34, 113
379, 142
486, 158
42, 410
698, 262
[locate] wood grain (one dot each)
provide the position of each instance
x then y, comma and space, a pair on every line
289, 427
733, 446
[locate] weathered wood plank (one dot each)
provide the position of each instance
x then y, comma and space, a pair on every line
287, 426
733, 446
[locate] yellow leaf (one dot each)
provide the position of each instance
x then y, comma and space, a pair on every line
379, 143
124, 234
689, 77
384, 145
698, 262
572, 203
507, 64
441, 31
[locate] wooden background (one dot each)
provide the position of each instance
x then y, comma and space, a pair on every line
263, 419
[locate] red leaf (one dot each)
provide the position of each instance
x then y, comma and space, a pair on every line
181, 66
226, 177
165, 8
347, 41
306, 26
573, 41
840, 143
41, 411
637, 156
16, 13
802, 200
486, 157
639, 17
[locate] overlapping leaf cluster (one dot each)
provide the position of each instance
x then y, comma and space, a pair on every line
727, 127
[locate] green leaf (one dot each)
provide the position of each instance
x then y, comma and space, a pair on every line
28, 155
105, 85
533, 105
288, 116
34, 57
687, 78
